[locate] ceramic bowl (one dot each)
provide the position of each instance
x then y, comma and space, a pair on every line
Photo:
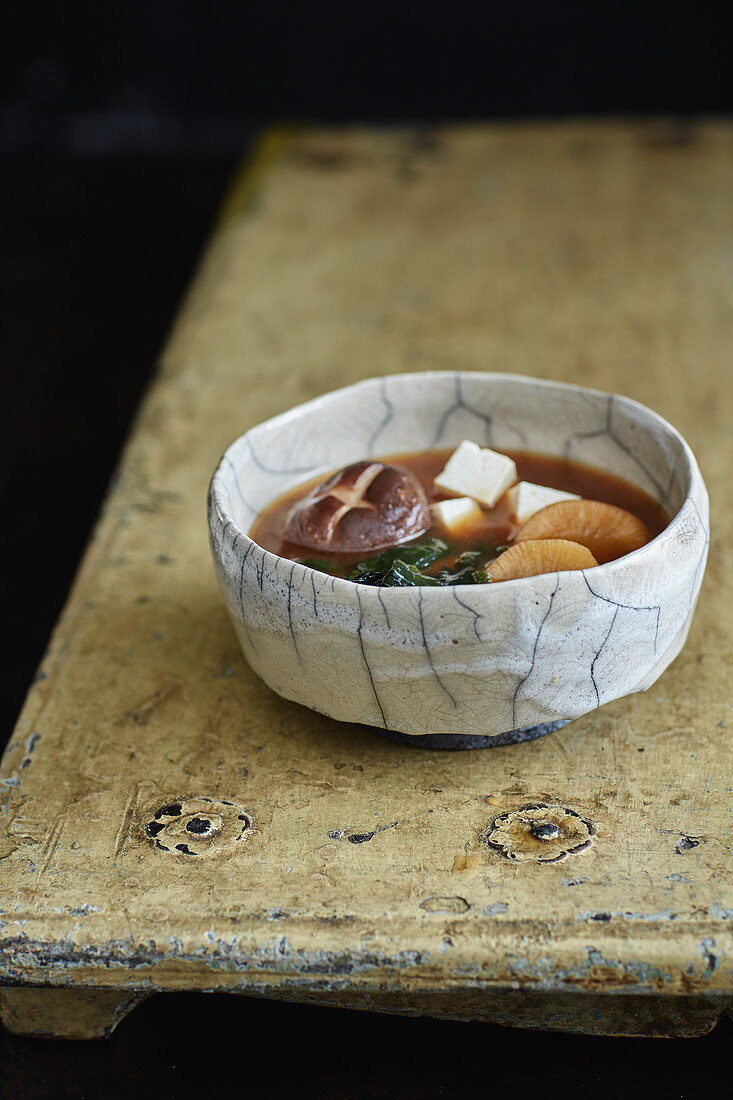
469, 660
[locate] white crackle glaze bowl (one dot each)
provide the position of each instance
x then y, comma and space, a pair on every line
468, 659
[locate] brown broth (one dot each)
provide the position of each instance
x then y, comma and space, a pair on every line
496, 526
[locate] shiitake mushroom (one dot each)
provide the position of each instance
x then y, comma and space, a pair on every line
363, 507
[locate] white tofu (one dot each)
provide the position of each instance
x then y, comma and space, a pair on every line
455, 514
477, 472
526, 498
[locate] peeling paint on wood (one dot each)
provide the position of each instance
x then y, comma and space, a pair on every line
360, 872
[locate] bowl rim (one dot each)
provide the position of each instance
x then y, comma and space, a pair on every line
231, 531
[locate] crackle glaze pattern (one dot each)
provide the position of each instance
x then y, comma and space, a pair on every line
469, 659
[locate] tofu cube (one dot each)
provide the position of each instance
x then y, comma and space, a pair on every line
526, 498
455, 514
477, 472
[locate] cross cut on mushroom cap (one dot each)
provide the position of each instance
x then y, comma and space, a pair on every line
351, 497
365, 506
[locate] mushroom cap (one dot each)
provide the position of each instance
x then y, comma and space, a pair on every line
365, 506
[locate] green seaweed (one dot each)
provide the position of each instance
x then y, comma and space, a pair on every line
378, 569
403, 575
403, 566
464, 570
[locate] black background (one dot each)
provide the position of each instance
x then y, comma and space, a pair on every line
170, 75
119, 125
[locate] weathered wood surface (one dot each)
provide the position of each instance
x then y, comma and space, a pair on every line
596, 253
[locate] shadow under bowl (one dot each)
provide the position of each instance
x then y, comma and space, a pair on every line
452, 742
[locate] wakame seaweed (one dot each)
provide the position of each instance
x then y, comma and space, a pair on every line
465, 570
402, 575
402, 566
380, 570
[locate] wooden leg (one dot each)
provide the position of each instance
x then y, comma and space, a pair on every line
65, 1013
642, 1016
94, 1014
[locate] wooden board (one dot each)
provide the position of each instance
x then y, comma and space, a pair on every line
600, 253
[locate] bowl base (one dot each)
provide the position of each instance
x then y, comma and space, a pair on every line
454, 742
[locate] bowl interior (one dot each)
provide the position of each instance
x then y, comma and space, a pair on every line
401, 413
